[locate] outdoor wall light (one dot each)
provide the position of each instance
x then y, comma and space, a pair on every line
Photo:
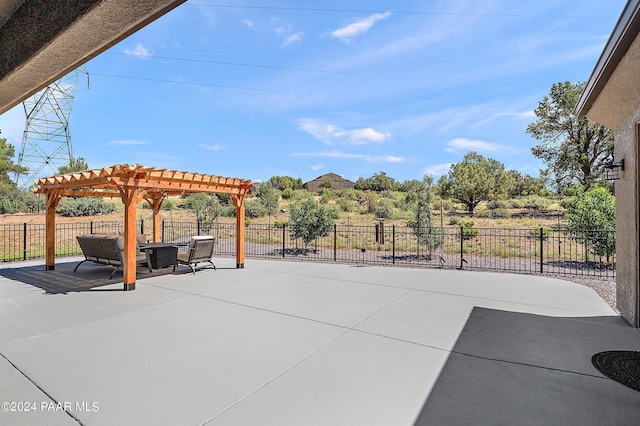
613, 169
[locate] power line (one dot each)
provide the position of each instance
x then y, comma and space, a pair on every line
206, 61
318, 9
190, 83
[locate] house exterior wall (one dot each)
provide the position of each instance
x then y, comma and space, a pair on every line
627, 221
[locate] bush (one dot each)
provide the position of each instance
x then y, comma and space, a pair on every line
287, 193
84, 206
254, 209
497, 204
383, 210
8, 206
535, 202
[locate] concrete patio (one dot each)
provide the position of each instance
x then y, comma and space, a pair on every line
281, 343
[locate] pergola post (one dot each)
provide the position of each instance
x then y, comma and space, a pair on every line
156, 204
238, 202
130, 199
53, 198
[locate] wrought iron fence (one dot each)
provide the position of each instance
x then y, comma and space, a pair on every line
531, 251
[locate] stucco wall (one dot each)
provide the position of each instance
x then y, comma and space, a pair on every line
627, 208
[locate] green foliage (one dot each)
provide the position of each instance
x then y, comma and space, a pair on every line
84, 206
588, 214
534, 202
75, 165
326, 183
205, 206
167, 204
269, 197
473, 180
287, 193
325, 196
8, 205
422, 222
574, 149
467, 230
309, 222
283, 182
378, 182
383, 209
254, 209
7, 166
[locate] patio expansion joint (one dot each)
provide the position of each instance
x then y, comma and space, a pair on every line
41, 389
311, 354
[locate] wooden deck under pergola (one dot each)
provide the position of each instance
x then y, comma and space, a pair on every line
133, 184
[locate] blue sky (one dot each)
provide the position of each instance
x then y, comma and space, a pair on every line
303, 88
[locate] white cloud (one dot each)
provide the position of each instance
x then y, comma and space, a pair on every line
437, 169
128, 142
393, 159
139, 50
317, 167
293, 38
462, 144
357, 28
331, 134
212, 147
249, 23
349, 156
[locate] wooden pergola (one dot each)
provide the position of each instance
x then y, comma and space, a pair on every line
132, 184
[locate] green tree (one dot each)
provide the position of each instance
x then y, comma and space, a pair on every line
422, 223
574, 149
475, 179
326, 183
378, 182
591, 216
75, 165
269, 197
309, 221
283, 182
205, 206
7, 166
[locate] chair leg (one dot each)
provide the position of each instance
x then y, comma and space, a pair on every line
113, 273
76, 268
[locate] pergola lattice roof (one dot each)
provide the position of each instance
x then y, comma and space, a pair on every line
106, 182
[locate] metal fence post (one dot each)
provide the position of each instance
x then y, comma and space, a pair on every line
24, 241
198, 227
393, 244
162, 232
142, 226
541, 253
284, 228
91, 227
461, 246
335, 242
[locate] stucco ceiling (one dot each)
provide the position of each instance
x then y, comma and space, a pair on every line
42, 40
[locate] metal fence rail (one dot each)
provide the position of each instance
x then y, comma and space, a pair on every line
530, 251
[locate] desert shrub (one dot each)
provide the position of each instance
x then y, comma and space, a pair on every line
8, 206
497, 204
254, 209
287, 193
535, 202
84, 206
228, 211
325, 196
383, 209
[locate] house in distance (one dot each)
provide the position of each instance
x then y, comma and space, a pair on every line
329, 180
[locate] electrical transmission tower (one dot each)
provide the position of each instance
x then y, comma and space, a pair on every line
46, 142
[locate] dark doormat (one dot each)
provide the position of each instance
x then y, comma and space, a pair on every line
621, 366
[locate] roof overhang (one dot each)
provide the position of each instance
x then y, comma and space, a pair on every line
42, 40
612, 93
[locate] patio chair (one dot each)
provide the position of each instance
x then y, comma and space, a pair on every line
200, 250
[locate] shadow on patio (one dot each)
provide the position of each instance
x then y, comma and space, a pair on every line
518, 368
88, 277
